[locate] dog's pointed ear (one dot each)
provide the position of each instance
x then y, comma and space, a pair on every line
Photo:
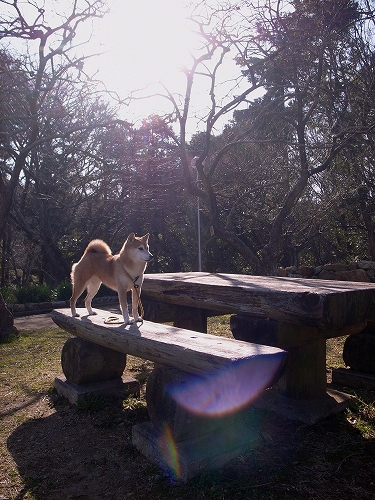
145, 237
131, 238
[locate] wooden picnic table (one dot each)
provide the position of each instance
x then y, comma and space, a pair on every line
306, 312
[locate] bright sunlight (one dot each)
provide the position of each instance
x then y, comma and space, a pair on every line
143, 42
148, 42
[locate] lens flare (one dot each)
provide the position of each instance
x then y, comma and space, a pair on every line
169, 450
228, 389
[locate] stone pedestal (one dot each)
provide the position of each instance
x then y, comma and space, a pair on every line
301, 393
305, 374
190, 318
115, 388
185, 459
308, 411
185, 443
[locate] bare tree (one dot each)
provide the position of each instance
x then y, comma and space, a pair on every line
48, 58
303, 56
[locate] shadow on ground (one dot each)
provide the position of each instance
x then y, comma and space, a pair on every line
89, 456
79, 455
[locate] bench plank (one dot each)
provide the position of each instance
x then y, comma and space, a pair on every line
189, 351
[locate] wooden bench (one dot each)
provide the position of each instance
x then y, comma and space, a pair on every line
197, 395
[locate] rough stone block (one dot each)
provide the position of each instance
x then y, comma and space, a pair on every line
306, 271
120, 387
336, 267
186, 459
308, 411
354, 275
366, 264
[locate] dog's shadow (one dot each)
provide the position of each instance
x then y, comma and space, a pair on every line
115, 323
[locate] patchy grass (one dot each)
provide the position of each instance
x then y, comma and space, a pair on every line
51, 450
26, 363
219, 325
334, 352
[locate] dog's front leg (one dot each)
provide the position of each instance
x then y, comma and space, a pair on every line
122, 297
73, 308
135, 299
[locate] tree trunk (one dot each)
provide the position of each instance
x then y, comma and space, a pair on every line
7, 328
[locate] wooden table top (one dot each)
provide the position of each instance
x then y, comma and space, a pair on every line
317, 303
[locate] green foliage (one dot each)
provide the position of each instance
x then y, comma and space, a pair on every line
34, 293
64, 291
133, 403
42, 293
135, 409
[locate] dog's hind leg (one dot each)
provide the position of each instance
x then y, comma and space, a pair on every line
76, 293
92, 289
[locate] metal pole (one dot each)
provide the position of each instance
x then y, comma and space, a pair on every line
193, 164
199, 233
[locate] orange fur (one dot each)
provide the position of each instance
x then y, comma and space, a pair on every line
98, 266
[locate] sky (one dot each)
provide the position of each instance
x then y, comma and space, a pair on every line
146, 41
141, 42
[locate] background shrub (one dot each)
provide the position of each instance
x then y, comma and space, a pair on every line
64, 290
34, 293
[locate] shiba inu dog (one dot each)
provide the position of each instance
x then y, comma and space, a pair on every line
121, 272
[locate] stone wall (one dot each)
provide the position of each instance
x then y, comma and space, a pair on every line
362, 270
44, 307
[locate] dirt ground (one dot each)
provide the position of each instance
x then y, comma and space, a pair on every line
51, 450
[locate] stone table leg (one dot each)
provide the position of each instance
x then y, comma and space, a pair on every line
190, 318
305, 374
301, 393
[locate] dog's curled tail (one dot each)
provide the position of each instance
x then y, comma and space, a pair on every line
98, 246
